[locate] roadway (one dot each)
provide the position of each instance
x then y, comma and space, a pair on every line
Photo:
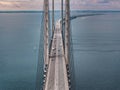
56, 78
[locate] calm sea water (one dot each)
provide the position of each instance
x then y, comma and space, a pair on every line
19, 40
96, 43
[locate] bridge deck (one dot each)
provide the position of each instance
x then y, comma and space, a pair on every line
57, 73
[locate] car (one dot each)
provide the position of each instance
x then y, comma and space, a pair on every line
53, 48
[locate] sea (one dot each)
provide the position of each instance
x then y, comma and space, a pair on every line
96, 49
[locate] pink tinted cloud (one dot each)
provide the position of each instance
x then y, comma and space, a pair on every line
95, 4
75, 4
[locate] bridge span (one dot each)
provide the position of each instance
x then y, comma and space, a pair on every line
56, 52
56, 77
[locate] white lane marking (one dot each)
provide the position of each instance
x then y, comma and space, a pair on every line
56, 65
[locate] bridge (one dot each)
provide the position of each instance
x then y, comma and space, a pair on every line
55, 51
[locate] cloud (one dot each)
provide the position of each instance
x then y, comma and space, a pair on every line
96, 4
21, 4
75, 4
103, 1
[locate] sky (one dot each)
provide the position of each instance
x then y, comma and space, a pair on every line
75, 4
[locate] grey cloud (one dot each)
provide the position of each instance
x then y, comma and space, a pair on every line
18, 0
20, 5
107, 1
103, 1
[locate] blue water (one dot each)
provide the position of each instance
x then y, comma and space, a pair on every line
96, 43
19, 40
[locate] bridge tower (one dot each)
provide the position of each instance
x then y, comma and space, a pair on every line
46, 32
62, 15
67, 30
53, 16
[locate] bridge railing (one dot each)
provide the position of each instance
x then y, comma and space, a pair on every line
71, 63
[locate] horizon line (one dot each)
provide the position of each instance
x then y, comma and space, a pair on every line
58, 10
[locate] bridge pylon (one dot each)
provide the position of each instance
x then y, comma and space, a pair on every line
46, 32
67, 30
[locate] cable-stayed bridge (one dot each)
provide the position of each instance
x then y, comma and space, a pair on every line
55, 51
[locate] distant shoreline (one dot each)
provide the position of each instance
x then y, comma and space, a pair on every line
91, 11
21, 11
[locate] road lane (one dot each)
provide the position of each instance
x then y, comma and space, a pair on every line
57, 73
